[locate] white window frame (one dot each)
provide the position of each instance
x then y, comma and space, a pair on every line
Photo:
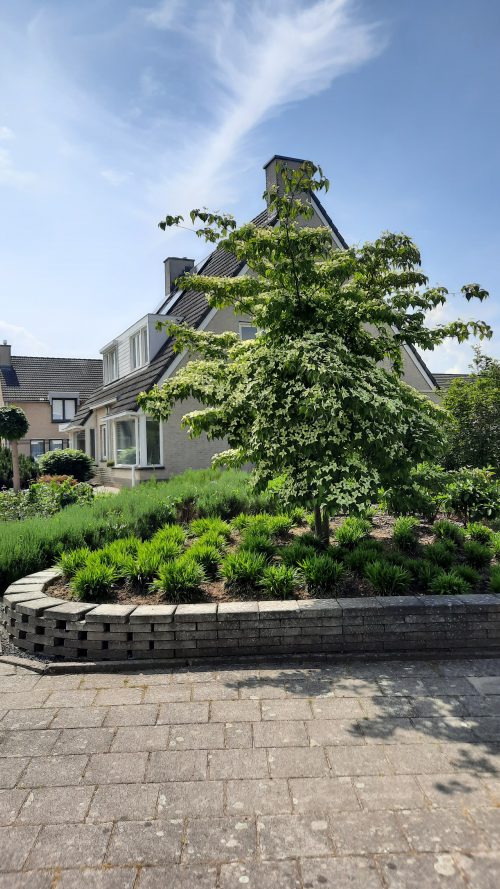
139, 348
119, 419
110, 360
103, 441
143, 443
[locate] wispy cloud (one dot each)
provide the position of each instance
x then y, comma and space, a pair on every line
22, 339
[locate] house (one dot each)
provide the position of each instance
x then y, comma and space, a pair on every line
50, 391
131, 446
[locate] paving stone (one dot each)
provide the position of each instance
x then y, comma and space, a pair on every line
237, 764
174, 714
215, 840
28, 719
261, 689
164, 694
441, 706
289, 709
416, 871
68, 698
323, 795
179, 799
214, 691
362, 834
140, 842
454, 789
382, 706
238, 734
133, 739
280, 734
116, 768
447, 728
488, 821
27, 700
234, 711
488, 728
84, 740
354, 761
389, 792
51, 682
415, 759
115, 697
27, 880
438, 831
326, 732
177, 765
480, 705
70, 845
27, 743
115, 802
296, 762
485, 685
133, 714
261, 797
56, 805
15, 845
11, 769
116, 878
10, 803
178, 877
260, 875
79, 717
337, 873
54, 771
196, 737
292, 836
339, 708
481, 871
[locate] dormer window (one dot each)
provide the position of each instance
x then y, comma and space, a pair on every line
139, 349
63, 409
110, 365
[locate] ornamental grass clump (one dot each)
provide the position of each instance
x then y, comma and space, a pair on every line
278, 582
143, 567
243, 570
469, 574
423, 572
387, 579
440, 554
479, 532
179, 579
495, 579
446, 530
477, 554
280, 525
296, 552
352, 531
170, 533
212, 525
449, 583
358, 558
321, 573
258, 541
495, 544
209, 557
94, 582
73, 561
405, 532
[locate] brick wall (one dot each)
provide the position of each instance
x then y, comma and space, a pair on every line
39, 623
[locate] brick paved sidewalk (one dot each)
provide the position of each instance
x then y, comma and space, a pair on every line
285, 777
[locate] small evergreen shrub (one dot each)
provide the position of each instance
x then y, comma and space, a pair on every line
449, 583
440, 554
212, 525
479, 532
351, 531
405, 532
321, 573
93, 582
179, 579
476, 554
67, 462
446, 530
278, 582
387, 579
207, 556
296, 552
73, 561
243, 570
495, 579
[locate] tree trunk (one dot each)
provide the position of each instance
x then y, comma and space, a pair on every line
321, 524
16, 478
326, 527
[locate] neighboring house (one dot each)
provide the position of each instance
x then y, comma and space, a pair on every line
444, 381
140, 447
50, 391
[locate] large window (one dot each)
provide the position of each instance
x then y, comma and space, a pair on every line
139, 349
63, 409
126, 446
153, 454
37, 447
56, 444
110, 365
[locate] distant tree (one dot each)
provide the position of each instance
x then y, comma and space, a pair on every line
316, 400
13, 426
474, 406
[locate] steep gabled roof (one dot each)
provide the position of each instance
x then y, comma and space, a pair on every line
31, 378
444, 381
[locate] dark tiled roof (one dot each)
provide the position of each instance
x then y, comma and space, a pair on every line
31, 378
444, 381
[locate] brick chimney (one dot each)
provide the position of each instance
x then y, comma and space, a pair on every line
175, 267
282, 161
5, 354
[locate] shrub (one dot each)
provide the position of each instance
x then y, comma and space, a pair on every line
351, 531
72, 561
67, 462
257, 541
387, 579
243, 570
479, 532
449, 583
296, 552
424, 572
472, 495
422, 496
213, 525
446, 530
405, 532
358, 558
321, 573
476, 554
469, 574
495, 579
278, 582
207, 556
495, 544
142, 568
280, 525
440, 554
179, 579
94, 581
28, 469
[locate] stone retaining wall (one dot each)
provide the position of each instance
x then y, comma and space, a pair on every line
41, 624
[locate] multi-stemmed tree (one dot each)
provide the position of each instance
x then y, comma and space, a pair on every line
315, 402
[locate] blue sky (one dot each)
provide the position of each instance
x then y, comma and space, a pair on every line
113, 113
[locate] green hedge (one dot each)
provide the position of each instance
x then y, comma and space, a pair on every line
34, 544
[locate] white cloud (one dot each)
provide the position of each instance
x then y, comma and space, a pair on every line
10, 175
6, 134
21, 339
115, 177
165, 14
